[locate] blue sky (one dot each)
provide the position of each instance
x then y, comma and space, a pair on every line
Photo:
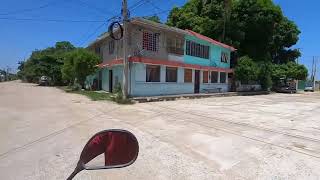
19, 38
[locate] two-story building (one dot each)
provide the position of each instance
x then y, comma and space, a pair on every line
164, 60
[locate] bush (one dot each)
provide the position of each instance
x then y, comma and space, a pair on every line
118, 96
79, 64
265, 70
246, 70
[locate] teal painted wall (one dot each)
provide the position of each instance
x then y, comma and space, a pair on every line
215, 54
105, 79
117, 77
89, 80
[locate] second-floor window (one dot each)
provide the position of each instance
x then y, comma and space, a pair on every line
175, 46
197, 50
150, 41
111, 47
97, 50
224, 57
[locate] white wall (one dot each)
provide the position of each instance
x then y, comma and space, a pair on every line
139, 86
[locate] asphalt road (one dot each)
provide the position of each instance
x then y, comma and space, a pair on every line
43, 129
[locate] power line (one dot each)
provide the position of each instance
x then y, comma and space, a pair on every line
92, 34
154, 5
102, 11
96, 30
51, 20
30, 9
138, 4
162, 12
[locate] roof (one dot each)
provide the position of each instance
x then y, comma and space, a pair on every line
205, 38
145, 22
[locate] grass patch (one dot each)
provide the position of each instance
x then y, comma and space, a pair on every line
94, 96
98, 96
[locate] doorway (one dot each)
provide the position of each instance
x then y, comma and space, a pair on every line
197, 81
110, 81
100, 81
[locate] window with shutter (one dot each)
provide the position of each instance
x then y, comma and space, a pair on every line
205, 76
150, 41
197, 50
188, 75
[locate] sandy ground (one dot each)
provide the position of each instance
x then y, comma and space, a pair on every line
42, 132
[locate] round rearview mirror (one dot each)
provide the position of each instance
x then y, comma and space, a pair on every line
108, 149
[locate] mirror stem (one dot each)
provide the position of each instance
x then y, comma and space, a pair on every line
74, 173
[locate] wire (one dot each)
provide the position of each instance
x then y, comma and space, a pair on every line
51, 20
102, 11
138, 5
92, 34
30, 9
162, 12
135, 4
154, 5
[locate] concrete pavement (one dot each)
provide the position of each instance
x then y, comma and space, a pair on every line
259, 137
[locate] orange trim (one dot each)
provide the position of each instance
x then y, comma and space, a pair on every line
143, 60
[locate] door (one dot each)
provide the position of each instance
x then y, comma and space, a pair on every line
197, 81
110, 81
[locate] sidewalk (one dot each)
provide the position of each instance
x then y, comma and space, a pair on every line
195, 96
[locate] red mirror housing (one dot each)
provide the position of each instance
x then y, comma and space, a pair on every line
120, 149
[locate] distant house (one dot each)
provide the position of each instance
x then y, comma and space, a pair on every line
2, 77
164, 60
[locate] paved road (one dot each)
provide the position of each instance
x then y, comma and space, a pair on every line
42, 131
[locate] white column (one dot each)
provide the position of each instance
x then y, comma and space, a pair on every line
218, 76
227, 78
162, 73
180, 75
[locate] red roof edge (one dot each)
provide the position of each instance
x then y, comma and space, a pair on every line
136, 59
110, 63
205, 38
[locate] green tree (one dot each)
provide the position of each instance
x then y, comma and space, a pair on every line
290, 70
246, 70
257, 28
46, 62
154, 18
265, 71
79, 64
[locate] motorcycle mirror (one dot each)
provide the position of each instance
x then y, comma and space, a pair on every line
107, 150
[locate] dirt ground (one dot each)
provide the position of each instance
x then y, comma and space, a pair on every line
43, 129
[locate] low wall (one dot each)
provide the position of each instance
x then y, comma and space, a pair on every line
247, 88
214, 87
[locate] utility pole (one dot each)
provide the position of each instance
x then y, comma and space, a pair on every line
125, 50
315, 74
7, 73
